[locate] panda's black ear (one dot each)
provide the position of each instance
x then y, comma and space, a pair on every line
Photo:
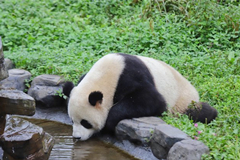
95, 97
67, 88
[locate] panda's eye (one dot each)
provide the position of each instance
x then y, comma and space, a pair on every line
86, 124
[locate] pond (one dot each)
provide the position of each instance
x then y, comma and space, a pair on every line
66, 148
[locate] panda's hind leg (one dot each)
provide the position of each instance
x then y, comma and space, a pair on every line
201, 112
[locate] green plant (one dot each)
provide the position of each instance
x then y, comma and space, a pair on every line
27, 83
60, 94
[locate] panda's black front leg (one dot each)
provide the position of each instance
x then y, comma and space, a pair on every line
139, 103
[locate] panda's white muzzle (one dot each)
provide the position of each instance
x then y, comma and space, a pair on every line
81, 132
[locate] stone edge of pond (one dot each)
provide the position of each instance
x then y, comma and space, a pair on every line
165, 141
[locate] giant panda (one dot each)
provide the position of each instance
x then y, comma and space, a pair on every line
121, 86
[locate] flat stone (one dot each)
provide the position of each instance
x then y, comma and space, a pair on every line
16, 79
164, 137
8, 64
17, 72
16, 102
48, 80
150, 120
187, 150
138, 130
24, 140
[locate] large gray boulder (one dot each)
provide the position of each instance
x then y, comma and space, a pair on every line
187, 150
16, 79
137, 130
44, 89
164, 137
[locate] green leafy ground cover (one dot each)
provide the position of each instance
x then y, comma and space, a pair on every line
200, 38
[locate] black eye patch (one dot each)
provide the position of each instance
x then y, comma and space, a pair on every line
86, 124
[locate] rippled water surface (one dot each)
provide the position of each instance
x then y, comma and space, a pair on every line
66, 148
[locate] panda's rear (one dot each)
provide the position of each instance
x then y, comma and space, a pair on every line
177, 91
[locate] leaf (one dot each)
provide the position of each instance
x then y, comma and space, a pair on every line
231, 57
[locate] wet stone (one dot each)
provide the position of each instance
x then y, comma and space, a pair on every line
16, 102
137, 130
24, 140
16, 79
164, 137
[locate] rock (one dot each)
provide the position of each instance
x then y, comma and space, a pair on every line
138, 130
46, 95
8, 64
164, 137
187, 150
16, 79
44, 90
3, 70
16, 102
17, 133
48, 80
23, 140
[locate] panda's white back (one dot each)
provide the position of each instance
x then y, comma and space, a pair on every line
176, 90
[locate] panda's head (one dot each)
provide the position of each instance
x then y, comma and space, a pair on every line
85, 110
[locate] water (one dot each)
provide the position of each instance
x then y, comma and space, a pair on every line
66, 148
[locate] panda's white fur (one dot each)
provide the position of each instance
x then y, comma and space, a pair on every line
104, 76
167, 80
97, 79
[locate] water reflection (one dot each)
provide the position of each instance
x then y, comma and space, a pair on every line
66, 148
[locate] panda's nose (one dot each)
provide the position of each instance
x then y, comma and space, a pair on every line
77, 138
